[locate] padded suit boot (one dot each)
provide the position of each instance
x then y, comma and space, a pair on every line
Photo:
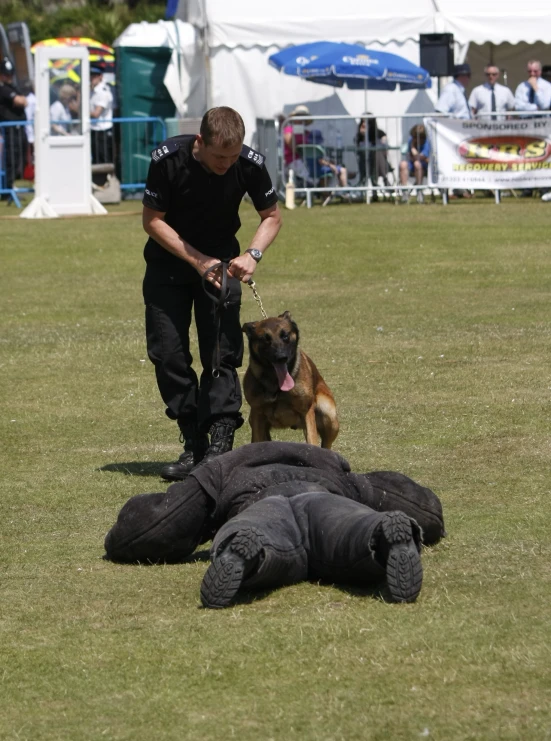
195, 446
221, 438
230, 566
398, 548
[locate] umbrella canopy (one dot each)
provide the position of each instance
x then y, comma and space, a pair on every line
100, 55
331, 63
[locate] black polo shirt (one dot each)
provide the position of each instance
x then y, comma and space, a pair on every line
202, 207
8, 110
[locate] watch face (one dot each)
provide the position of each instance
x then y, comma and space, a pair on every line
257, 254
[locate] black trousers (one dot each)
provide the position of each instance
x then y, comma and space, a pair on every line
314, 535
168, 314
14, 152
102, 147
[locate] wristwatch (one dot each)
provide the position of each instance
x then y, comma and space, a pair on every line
255, 254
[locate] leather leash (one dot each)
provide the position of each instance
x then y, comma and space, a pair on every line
221, 303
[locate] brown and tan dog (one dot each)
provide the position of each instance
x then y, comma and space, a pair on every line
283, 386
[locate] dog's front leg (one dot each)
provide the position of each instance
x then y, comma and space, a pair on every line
260, 429
311, 430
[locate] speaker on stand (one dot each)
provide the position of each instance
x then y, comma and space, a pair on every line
436, 54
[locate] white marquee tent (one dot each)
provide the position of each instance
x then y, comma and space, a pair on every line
238, 36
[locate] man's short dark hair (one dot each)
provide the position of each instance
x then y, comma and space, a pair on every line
222, 126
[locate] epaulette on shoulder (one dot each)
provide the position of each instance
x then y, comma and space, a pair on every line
165, 149
251, 156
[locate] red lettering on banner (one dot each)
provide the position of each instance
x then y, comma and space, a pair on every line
505, 150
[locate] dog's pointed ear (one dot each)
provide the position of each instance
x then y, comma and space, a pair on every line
286, 315
249, 328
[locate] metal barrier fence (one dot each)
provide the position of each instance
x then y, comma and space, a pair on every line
15, 156
128, 146
359, 158
356, 158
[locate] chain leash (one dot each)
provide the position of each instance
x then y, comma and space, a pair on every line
257, 298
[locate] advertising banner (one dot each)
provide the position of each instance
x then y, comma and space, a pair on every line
471, 153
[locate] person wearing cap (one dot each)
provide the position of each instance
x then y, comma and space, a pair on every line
295, 135
534, 94
101, 113
453, 99
12, 108
491, 98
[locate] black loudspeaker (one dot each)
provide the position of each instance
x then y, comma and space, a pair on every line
436, 53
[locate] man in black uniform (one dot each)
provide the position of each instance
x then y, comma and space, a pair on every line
12, 108
191, 205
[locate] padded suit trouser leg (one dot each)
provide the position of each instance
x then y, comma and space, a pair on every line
311, 535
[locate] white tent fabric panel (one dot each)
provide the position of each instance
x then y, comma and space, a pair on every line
249, 23
243, 79
478, 21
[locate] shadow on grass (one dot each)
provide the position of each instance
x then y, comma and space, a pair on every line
378, 592
195, 557
135, 468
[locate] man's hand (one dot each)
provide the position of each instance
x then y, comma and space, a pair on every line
242, 267
215, 276
533, 82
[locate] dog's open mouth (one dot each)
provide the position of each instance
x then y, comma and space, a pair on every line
284, 378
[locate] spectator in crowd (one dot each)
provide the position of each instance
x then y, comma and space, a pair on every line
453, 99
309, 170
534, 94
416, 162
491, 97
101, 111
294, 134
371, 144
12, 108
61, 114
320, 168
30, 108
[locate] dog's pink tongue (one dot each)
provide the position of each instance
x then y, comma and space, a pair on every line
284, 378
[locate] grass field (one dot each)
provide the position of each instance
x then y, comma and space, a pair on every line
431, 325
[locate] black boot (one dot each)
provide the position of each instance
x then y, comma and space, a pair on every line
221, 438
195, 446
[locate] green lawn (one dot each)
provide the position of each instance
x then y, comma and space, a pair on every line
431, 325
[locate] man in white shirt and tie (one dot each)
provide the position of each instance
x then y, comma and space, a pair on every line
534, 94
491, 97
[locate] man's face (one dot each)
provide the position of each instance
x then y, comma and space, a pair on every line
94, 79
492, 75
215, 158
534, 70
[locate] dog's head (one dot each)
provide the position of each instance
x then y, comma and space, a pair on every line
273, 342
